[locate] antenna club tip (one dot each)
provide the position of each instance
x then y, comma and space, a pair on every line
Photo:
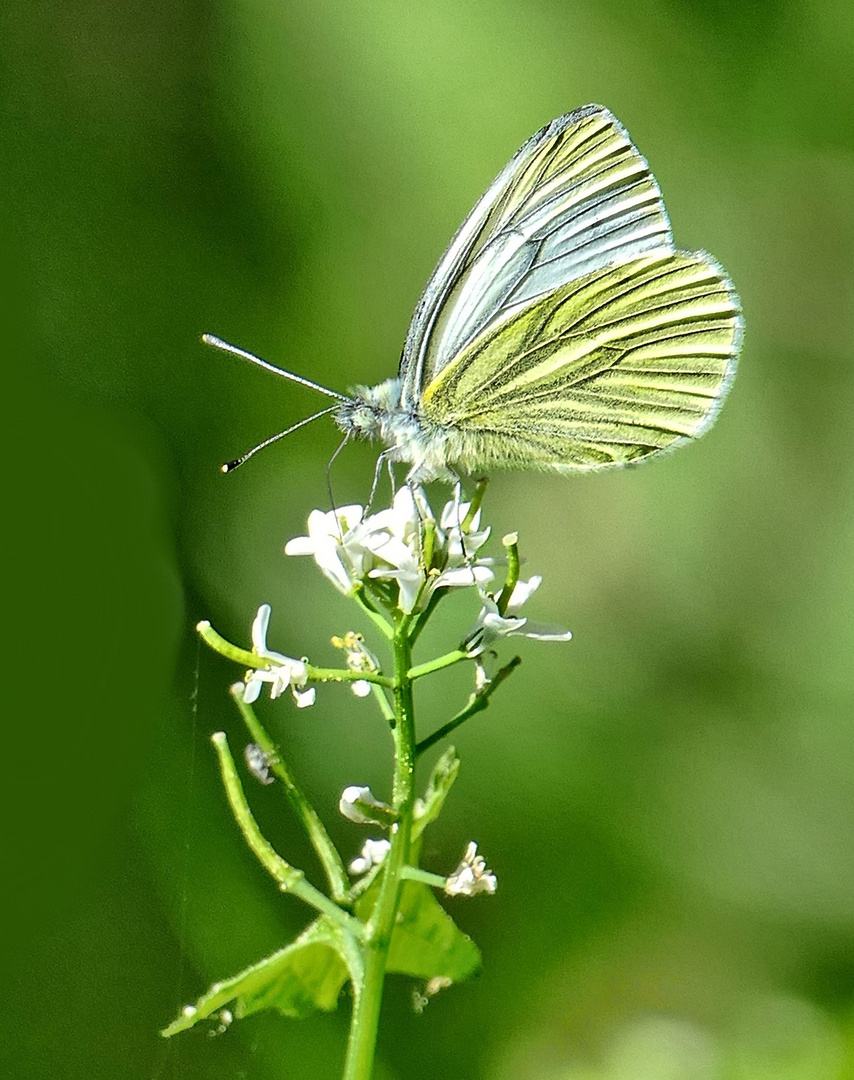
229, 466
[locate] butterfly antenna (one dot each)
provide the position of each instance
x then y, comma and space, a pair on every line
218, 343
230, 466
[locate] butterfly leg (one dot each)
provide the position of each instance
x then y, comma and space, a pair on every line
383, 459
458, 516
338, 450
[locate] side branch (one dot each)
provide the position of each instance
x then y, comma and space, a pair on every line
477, 703
289, 878
320, 839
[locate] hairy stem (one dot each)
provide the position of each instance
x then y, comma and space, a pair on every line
366, 1011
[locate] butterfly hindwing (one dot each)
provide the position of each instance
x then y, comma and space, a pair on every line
603, 370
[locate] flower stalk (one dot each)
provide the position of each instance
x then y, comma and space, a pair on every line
366, 1011
397, 566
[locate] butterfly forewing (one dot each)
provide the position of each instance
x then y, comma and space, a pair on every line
577, 197
603, 370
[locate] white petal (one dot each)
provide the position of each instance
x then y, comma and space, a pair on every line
304, 698
279, 679
300, 545
376, 850
523, 591
465, 575
453, 514
252, 689
409, 588
330, 563
502, 626
406, 512
361, 688
347, 803
395, 552
542, 632
259, 630
349, 517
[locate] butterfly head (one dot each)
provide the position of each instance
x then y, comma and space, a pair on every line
369, 411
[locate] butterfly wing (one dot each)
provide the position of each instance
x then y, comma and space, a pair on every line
576, 198
603, 370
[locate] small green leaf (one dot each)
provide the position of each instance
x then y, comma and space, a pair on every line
426, 941
441, 780
304, 976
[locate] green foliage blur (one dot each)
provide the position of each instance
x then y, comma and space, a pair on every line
668, 801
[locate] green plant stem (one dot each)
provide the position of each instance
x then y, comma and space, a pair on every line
385, 707
366, 1010
331, 861
289, 878
477, 703
376, 617
263, 663
440, 662
316, 674
232, 652
511, 543
415, 873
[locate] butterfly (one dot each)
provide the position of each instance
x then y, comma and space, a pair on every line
562, 330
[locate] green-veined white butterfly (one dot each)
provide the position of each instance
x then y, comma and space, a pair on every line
561, 330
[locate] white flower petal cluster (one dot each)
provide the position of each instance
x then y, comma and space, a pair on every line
388, 546
372, 854
332, 542
492, 625
471, 876
283, 671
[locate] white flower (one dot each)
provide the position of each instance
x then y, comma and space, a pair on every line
459, 545
389, 546
398, 540
330, 540
491, 624
358, 658
372, 854
358, 804
283, 671
471, 876
394, 537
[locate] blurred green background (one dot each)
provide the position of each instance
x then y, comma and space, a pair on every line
668, 800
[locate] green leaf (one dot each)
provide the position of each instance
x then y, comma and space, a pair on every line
304, 976
441, 780
426, 941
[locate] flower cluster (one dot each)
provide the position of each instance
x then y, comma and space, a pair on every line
403, 555
281, 671
472, 875
390, 546
372, 854
358, 658
493, 623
